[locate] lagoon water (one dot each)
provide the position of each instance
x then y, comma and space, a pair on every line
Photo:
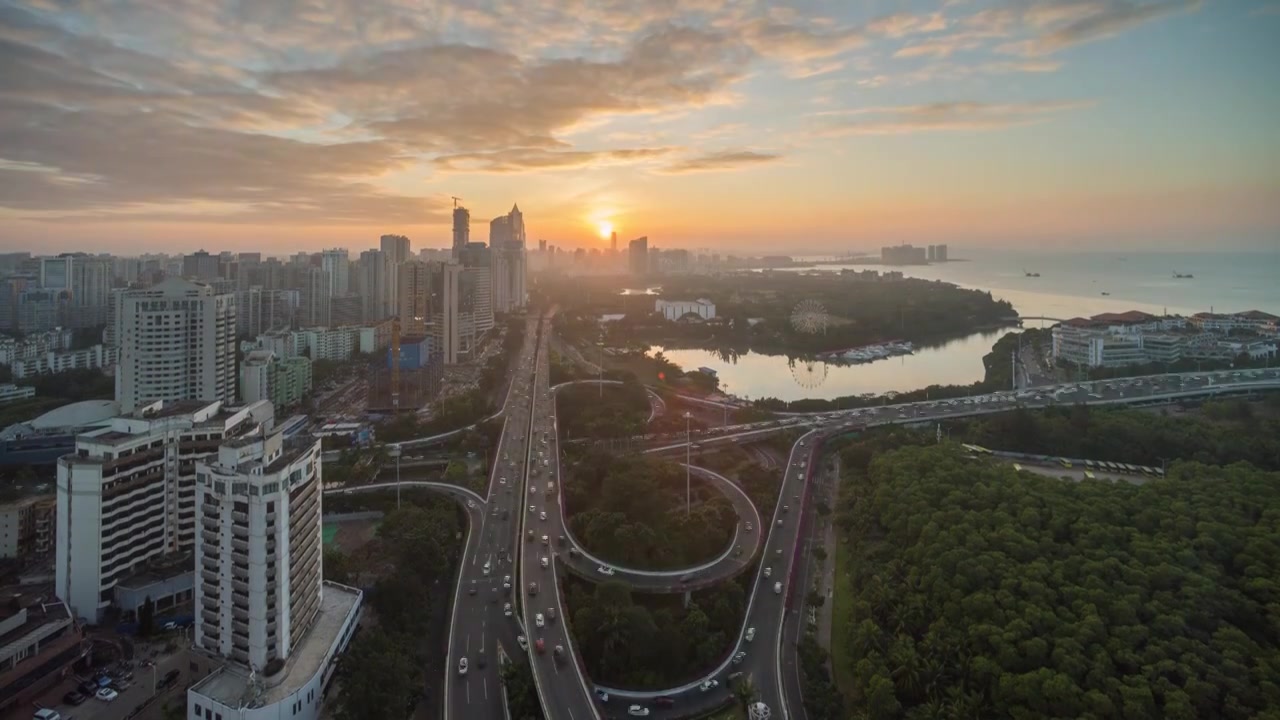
1069, 285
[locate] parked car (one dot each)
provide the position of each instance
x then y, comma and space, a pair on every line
73, 698
106, 694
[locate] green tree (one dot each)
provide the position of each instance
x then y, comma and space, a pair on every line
377, 678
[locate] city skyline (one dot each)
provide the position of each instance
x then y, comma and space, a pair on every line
750, 128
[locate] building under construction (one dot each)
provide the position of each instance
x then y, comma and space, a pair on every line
411, 378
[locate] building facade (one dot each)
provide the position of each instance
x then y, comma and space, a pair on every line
676, 309
177, 342
26, 527
127, 494
284, 382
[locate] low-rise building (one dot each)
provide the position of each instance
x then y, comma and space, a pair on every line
10, 392
1135, 338
676, 309
285, 382
95, 357
39, 643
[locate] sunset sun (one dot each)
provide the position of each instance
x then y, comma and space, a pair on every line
606, 229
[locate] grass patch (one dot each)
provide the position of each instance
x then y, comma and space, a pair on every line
842, 660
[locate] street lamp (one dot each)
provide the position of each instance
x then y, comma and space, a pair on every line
688, 449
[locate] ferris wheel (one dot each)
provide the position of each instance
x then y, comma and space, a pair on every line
809, 374
810, 317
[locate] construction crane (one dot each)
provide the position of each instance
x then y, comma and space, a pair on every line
455, 201
395, 364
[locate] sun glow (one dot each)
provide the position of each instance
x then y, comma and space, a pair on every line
605, 229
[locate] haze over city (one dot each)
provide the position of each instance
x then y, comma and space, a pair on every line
143, 126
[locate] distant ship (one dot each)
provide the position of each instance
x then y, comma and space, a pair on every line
1181, 276
1106, 293
1030, 274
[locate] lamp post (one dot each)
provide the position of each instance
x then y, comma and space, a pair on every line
688, 449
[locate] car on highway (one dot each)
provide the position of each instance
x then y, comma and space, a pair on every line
472, 590
551, 614
602, 695
605, 570
506, 582
506, 609
530, 536
540, 646
750, 527
533, 588
462, 666
751, 634
709, 685
545, 541
524, 644
544, 562
768, 571
559, 653
638, 711
542, 515
739, 657
539, 621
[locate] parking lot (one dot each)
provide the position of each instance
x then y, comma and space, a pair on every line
133, 692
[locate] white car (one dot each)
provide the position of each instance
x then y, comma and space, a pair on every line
106, 694
539, 621
542, 515
777, 588
506, 609
749, 527
506, 582
751, 634
462, 666
739, 657
768, 571
533, 489
532, 509
709, 685
524, 644
638, 711
544, 562
605, 570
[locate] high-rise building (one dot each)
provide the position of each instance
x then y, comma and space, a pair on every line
447, 299
90, 291
284, 381
396, 248
338, 265
638, 255
316, 297
177, 341
55, 272
461, 230
375, 278
268, 628
258, 549
542, 246
200, 265
613, 243
508, 265
127, 494
476, 311
346, 310
941, 253
414, 290
932, 253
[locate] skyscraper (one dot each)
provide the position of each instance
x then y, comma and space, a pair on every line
413, 287
396, 248
447, 300
461, 230
638, 255
316, 297
200, 265
375, 283
177, 341
338, 265
508, 264
613, 242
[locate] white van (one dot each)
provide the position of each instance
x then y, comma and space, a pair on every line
777, 588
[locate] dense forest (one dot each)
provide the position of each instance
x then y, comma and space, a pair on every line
651, 641
983, 593
598, 412
629, 509
1226, 432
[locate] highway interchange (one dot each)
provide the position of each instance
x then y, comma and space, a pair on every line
518, 497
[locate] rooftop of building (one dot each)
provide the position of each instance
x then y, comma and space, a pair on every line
231, 685
1247, 315
43, 613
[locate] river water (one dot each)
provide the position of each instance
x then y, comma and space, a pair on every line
1069, 285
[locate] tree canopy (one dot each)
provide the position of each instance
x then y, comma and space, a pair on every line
630, 510
982, 592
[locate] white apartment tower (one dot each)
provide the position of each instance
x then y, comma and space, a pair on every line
127, 494
446, 311
258, 558
375, 281
507, 261
177, 341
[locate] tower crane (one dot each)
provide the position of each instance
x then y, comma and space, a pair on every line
455, 201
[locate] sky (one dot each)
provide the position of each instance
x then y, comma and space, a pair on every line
280, 125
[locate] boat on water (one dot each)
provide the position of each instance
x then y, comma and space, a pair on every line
1105, 292
1030, 274
1182, 276
871, 353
